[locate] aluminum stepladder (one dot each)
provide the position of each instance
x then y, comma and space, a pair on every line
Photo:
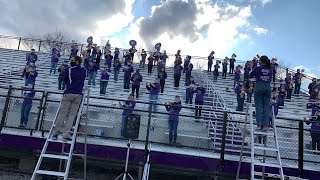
65, 156
254, 147
146, 169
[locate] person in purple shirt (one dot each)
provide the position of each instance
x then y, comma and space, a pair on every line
274, 105
154, 90
55, 55
216, 71
132, 50
262, 92
128, 69
254, 62
74, 50
186, 63
289, 85
177, 74
150, 64
71, 100
162, 75
225, 67
98, 57
312, 85
210, 61
105, 76
127, 58
63, 70
116, 69
315, 124
240, 90
93, 70
282, 94
200, 91
174, 109
164, 57
274, 66
190, 87
143, 58
136, 79
232, 61
28, 95
128, 108
247, 69
297, 82
31, 75
189, 71
116, 53
237, 75
315, 94
108, 59
160, 65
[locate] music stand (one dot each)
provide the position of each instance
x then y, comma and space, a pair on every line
132, 127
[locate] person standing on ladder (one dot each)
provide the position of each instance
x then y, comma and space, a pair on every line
71, 99
262, 92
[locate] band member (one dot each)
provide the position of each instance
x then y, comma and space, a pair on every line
63, 70
150, 64
128, 108
315, 124
156, 57
200, 91
127, 57
189, 71
186, 63
240, 90
93, 69
116, 53
190, 87
153, 89
105, 76
31, 59
250, 91
116, 69
225, 67
164, 57
174, 109
108, 59
136, 79
236, 77
232, 61
210, 60
98, 57
128, 69
28, 95
254, 62
216, 71
274, 66
247, 69
297, 82
132, 50
55, 55
143, 59
312, 85
177, 74
274, 105
282, 94
178, 59
160, 65
74, 50
289, 85
31, 75
315, 95
162, 75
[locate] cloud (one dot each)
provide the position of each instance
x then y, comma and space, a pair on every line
264, 2
79, 18
260, 30
243, 36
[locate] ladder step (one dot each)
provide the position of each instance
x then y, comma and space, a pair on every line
60, 141
263, 133
53, 156
52, 173
265, 148
267, 164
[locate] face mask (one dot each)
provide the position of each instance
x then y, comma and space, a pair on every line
73, 63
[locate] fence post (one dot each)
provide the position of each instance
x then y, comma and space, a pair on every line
146, 149
39, 46
300, 153
223, 141
5, 109
39, 111
43, 113
19, 43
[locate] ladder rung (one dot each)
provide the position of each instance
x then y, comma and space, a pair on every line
52, 173
267, 164
263, 133
265, 148
60, 141
53, 156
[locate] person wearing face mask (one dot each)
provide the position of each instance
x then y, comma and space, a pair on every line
200, 91
262, 92
55, 55
150, 64
190, 87
128, 69
71, 100
153, 89
136, 79
105, 75
312, 85
289, 85
63, 69
189, 71
128, 108
31, 75
315, 124
31, 59
108, 59
28, 94
232, 61
162, 75
297, 82
174, 109
164, 57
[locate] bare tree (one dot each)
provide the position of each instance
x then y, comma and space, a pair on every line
282, 66
59, 37
32, 42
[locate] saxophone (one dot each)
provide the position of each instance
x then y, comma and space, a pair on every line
291, 84
243, 91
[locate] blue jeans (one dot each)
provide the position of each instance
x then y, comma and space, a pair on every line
262, 95
53, 67
142, 63
240, 102
173, 127
153, 99
189, 97
123, 123
92, 78
249, 97
297, 88
215, 76
25, 111
116, 74
103, 87
27, 81
126, 83
61, 84
281, 100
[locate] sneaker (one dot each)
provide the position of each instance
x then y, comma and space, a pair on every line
20, 126
67, 137
258, 129
54, 137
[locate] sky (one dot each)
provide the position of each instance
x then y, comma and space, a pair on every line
285, 29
